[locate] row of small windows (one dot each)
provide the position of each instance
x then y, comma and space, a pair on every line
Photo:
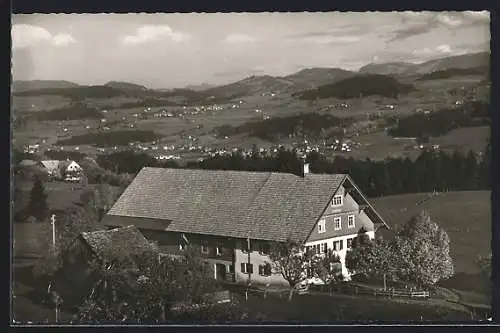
337, 223
263, 248
264, 270
323, 247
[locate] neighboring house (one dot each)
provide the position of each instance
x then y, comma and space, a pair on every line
222, 212
105, 246
51, 167
28, 163
70, 170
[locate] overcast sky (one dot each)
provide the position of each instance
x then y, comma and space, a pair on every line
174, 50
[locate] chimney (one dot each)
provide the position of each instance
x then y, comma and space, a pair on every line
306, 168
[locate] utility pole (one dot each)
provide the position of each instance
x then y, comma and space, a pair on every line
248, 267
53, 222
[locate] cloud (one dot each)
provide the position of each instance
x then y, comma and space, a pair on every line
63, 40
26, 35
418, 23
449, 20
444, 48
152, 33
335, 36
407, 32
330, 39
482, 16
239, 38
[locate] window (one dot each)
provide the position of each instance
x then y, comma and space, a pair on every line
204, 247
337, 223
246, 268
218, 249
349, 243
337, 200
338, 245
350, 221
324, 248
317, 249
182, 247
265, 270
321, 226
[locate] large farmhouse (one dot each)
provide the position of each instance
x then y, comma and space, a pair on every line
225, 212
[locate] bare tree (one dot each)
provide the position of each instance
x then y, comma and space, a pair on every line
289, 259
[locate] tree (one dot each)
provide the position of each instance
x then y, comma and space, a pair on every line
422, 252
37, 205
143, 291
371, 258
327, 268
289, 260
359, 257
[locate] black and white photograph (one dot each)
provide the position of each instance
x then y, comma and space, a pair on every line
300, 168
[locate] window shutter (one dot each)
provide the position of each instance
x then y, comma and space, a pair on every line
341, 244
325, 247
261, 270
250, 268
243, 267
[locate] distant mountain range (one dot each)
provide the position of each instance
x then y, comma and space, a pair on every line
200, 87
18, 86
125, 86
308, 79
464, 61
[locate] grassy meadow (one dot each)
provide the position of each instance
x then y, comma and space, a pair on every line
465, 215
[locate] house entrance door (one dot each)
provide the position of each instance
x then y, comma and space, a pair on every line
220, 271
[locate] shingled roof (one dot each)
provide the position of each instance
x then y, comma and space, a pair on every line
109, 245
259, 205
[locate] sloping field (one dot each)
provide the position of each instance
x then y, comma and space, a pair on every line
466, 217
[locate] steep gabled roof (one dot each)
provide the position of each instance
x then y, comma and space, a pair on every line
51, 165
260, 205
374, 215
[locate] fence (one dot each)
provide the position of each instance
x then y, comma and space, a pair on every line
355, 290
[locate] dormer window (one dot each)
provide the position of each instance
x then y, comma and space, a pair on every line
321, 226
337, 201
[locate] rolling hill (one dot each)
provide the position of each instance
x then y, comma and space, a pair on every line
390, 68
125, 86
252, 85
465, 61
304, 79
20, 86
465, 215
310, 78
200, 87
359, 86
372, 79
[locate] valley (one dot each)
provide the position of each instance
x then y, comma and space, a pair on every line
62, 116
